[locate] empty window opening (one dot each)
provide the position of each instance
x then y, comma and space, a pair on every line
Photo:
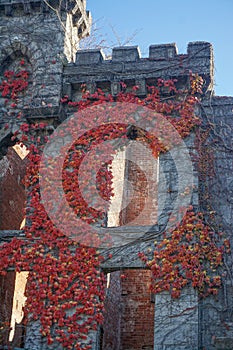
19, 300
135, 186
129, 311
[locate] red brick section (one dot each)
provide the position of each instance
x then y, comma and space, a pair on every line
137, 322
12, 194
139, 191
129, 312
140, 204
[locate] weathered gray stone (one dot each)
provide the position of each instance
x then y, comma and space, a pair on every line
125, 54
31, 31
164, 51
89, 57
176, 321
200, 49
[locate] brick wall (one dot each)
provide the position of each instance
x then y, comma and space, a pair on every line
12, 194
137, 326
140, 193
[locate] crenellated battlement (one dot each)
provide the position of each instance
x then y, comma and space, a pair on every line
25, 7
161, 52
33, 33
126, 64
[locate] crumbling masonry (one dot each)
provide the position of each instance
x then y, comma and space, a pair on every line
47, 39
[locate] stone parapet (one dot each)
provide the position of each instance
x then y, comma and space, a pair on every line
126, 64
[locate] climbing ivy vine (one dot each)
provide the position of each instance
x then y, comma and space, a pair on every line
66, 288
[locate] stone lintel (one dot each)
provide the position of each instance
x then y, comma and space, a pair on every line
7, 235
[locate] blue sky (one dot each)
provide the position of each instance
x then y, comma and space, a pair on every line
166, 21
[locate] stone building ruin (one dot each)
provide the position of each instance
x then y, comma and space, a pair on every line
46, 34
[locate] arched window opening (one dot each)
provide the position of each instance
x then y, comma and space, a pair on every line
18, 63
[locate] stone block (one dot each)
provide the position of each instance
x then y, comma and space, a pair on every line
67, 90
165, 51
91, 87
223, 343
141, 83
89, 57
125, 54
115, 88
200, 49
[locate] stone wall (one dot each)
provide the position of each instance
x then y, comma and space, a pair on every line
177, 322
127, 65
187, 324
31, 31
216, 313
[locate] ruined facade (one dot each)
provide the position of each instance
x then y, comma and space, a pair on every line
46, 38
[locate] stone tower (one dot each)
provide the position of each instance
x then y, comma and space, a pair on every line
46, 35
